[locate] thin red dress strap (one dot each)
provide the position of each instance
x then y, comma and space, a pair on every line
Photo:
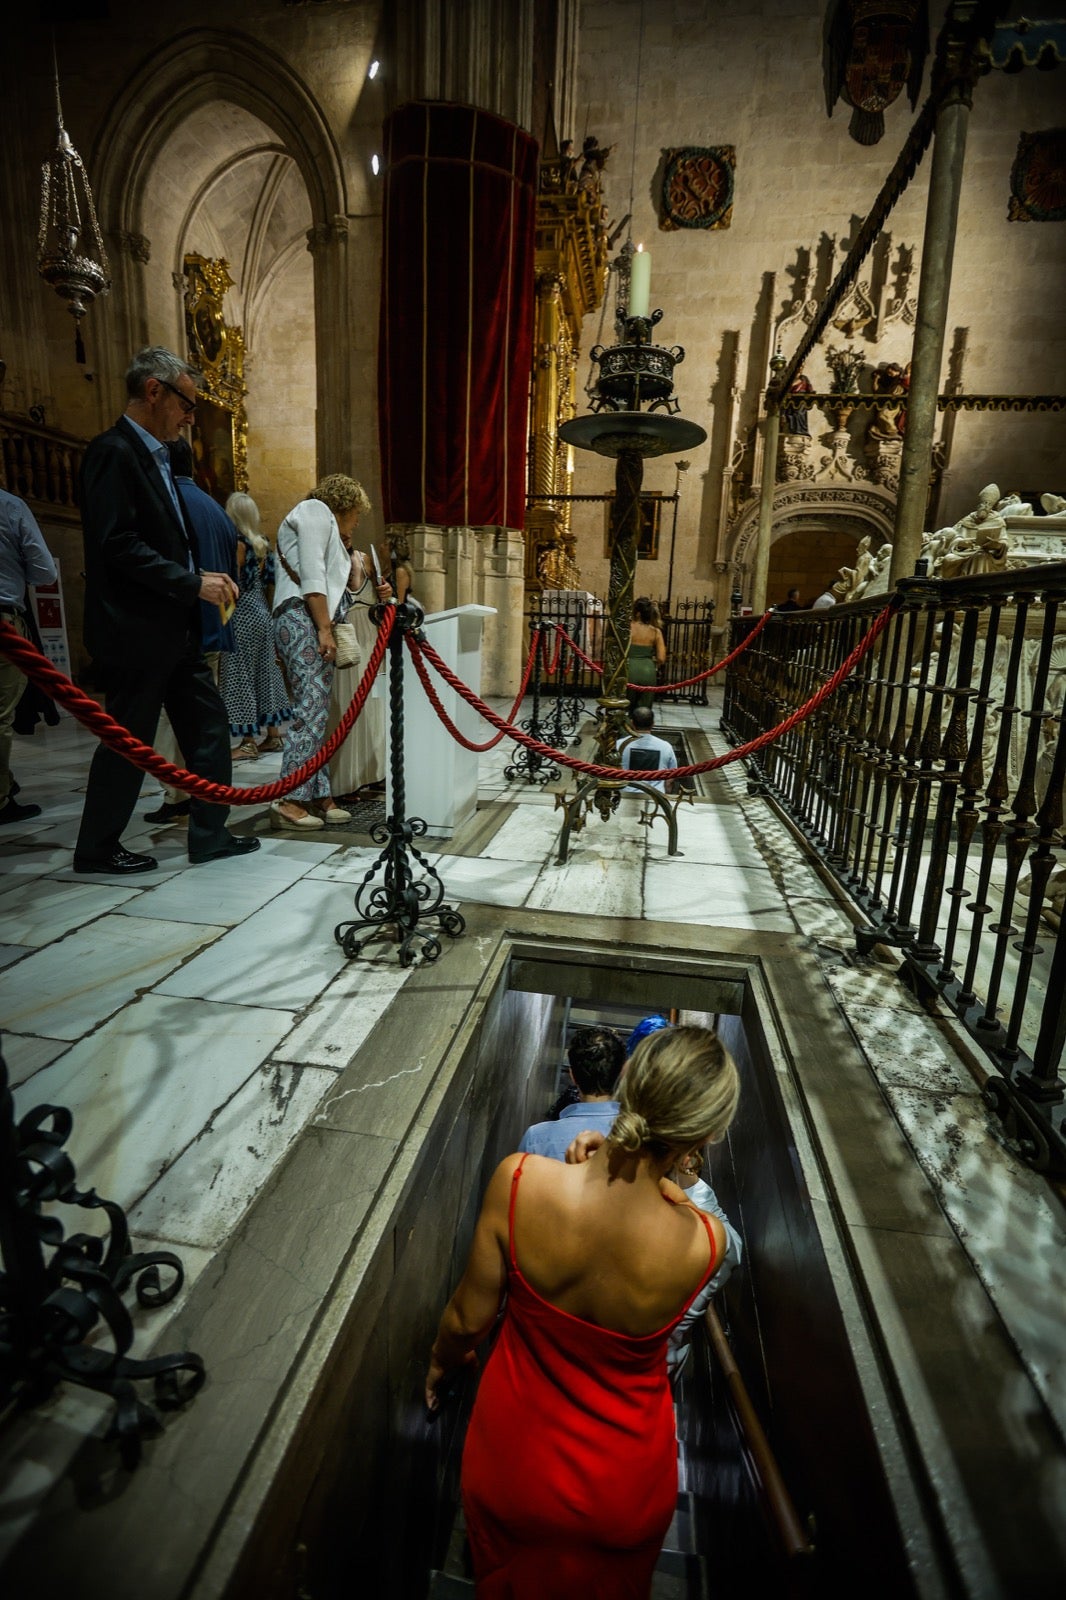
510, 1213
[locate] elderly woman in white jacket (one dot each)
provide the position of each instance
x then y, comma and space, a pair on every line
314, 567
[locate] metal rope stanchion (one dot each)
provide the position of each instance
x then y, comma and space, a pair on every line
391, 895
530, 764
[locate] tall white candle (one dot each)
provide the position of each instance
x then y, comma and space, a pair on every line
639, 282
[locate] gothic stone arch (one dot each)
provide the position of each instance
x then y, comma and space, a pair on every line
198, 67
857, 511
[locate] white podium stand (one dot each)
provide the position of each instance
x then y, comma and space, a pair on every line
440, 777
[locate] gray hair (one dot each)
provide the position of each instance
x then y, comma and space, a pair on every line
156, 362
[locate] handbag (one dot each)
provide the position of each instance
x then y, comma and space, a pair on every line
349, 650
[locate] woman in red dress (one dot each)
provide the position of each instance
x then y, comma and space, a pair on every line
570, 1465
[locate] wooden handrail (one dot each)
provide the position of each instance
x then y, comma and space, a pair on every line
795, 1541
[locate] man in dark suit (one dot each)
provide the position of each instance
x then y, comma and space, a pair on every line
142, 617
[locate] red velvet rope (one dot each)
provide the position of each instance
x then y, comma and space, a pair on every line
29, 660
665, 688
435, 701
550, 666
617, 774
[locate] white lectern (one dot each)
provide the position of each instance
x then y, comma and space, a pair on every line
440, 777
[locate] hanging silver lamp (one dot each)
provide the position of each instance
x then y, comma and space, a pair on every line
70, 249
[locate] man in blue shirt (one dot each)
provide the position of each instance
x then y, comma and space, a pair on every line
24, 559
647, 752
596, 1057
216, 541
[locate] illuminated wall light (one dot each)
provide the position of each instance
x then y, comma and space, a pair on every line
374, 65
375, 165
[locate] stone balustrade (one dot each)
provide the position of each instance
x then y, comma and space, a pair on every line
42, 465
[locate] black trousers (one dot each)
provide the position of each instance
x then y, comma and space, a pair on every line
136, 692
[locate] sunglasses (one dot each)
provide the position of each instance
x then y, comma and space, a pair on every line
187, 405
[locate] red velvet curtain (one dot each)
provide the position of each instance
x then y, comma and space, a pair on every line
457, 304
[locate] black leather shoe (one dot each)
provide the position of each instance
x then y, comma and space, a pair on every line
13, 812
231, 845
168, 812
117, 860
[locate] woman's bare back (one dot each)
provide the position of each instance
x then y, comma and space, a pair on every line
611, 1250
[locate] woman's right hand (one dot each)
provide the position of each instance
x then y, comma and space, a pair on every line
327, 645
580, 1148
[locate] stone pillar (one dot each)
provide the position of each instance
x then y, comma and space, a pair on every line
428, 563
335, 436
475, 566
761, 555
479, 53
938, 249
500, 562
771, 433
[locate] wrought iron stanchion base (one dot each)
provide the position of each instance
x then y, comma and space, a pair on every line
530, 764
400, 900
57, 1289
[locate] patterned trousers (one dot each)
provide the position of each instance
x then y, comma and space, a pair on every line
310, 680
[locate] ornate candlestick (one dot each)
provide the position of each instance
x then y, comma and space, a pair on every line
632, 373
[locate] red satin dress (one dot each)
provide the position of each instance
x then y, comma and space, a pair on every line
570, 1465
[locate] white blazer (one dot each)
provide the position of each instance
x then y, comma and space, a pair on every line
311, 544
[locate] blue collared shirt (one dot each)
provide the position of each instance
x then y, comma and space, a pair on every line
161, 456
552, 1138
24, 556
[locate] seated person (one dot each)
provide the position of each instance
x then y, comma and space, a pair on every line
596, 1057
647, 752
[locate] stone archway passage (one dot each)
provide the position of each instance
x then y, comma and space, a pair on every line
837, 512
809, 558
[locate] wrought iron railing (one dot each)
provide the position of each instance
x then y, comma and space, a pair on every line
931, 785
686, 626
41, 465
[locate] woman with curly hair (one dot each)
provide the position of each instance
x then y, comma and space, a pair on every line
310, 594
570, 1463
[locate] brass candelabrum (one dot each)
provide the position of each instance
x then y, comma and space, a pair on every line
633, 374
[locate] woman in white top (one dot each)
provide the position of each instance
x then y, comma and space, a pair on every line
314, 567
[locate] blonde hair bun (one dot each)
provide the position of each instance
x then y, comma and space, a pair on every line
630, 1131
679, 1089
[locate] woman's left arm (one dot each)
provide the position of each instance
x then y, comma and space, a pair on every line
660, 647
471, 1311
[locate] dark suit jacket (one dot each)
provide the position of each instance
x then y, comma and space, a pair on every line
141, 598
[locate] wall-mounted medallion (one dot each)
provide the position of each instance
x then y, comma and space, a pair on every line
697, 189
1038, 178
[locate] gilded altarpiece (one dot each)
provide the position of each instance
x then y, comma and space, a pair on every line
571, 277
216, 349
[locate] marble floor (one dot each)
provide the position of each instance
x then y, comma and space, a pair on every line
194, 1018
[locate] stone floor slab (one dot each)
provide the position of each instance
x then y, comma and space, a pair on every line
283, 955
67, 989
202, 1195
148, 1083
39, 912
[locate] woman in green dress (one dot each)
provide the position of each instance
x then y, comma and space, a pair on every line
647, 649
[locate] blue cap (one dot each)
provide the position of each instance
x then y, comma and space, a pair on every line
642, 1030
